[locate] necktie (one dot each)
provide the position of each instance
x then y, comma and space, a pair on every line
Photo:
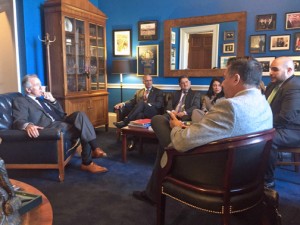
180, 106
47, 108
273, 93
146, 93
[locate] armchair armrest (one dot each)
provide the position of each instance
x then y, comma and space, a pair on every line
118, 114
20, 135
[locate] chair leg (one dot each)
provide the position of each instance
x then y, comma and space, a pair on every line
160, 210
297, 159
226, 218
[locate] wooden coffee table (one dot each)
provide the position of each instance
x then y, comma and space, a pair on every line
42, 214
137, 132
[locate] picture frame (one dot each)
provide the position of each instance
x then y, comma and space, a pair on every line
292, 20
297, 42
147, 30
228, 48
147, 60
265, 63
296, 60
173, 58
223, 61
229, 35
257, 43
122, 42
173, 38
280, 42
265, 22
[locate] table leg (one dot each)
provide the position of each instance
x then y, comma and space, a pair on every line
124, 147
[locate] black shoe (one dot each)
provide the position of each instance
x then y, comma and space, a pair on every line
120, 124
270, 184
142, 196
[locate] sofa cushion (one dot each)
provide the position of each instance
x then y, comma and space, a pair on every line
6, 109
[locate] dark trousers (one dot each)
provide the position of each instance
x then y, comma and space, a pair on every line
141, 110
161, 127
78, 125
282, 138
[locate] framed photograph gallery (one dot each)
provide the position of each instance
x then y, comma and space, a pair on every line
257, 43
265, 63
265, 22
147, 30
280, 42
147, 60
292, 21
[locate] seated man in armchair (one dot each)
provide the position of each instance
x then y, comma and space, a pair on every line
146, 103
38, 110
185, 100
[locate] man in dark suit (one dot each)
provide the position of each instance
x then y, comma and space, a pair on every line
185, 100
283, 94
38, 110
146, 103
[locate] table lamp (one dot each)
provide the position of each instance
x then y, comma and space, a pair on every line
121, 67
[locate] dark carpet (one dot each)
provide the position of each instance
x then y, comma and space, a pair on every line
106, 199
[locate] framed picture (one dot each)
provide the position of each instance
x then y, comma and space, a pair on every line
173, 58
122, 42
147, 30
173, 38
297, 41
223, 61
280, 42
228, 48
228, 35
296, 60
147, 60
265, 22
265, 63
292, 21
257, 43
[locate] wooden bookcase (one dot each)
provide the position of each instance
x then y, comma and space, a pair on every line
78, 57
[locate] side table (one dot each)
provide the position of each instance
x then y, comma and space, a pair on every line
138, 132
42, 214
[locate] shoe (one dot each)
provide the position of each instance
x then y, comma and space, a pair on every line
142, 196
98, 153
270, 184
93, 168
120, 124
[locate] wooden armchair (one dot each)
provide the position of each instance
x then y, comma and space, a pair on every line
222, 177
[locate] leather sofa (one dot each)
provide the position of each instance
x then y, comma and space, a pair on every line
49, 151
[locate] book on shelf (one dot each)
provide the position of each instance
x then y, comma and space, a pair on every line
143, 123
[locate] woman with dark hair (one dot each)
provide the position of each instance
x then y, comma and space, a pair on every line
214, 94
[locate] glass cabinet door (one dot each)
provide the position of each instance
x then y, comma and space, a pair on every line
75, 55
97, 57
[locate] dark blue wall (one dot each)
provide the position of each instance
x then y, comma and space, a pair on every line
126, 14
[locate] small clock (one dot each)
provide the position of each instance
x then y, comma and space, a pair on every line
68, 25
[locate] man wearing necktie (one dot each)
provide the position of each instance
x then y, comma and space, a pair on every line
283, 95
185, 100
39, 110
146, 103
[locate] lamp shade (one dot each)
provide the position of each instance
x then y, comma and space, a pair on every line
121, 66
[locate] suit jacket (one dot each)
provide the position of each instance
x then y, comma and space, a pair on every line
286, 112
26, 110
155, 98
248, 111
192, 101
